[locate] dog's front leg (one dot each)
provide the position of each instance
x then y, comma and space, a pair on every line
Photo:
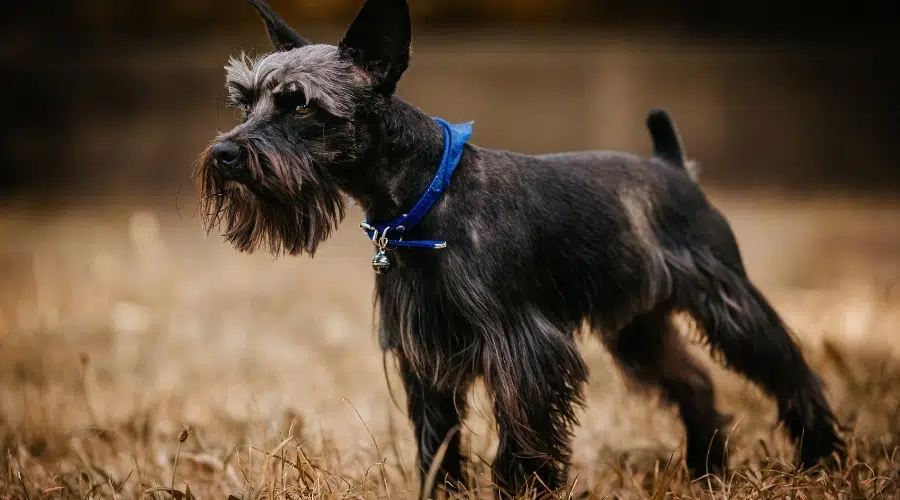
436, 415
536, 375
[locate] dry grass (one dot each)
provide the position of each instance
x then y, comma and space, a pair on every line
138, 359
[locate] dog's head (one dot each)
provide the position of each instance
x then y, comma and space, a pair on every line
307, 128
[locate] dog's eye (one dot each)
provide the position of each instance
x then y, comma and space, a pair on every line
294, 102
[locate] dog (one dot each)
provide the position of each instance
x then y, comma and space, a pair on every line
489, 262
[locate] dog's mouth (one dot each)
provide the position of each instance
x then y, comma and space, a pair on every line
230, 185
233, 189
224, 183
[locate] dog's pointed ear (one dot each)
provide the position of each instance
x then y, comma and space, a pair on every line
283, 37
378, 41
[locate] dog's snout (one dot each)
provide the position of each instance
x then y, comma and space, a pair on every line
226, 153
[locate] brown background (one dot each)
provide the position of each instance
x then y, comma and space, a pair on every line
105, 96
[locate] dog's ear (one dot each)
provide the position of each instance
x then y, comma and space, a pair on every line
283, 37
378, 41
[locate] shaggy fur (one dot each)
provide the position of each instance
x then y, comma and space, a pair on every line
539, 246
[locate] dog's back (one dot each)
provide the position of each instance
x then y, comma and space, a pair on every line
608, 215
589, 224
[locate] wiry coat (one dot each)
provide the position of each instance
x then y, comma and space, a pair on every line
538, 246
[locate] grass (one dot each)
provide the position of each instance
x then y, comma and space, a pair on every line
139, 360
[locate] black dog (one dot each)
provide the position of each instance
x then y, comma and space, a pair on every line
501, 261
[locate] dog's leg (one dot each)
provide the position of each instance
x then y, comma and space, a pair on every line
650, 350
533, 452
536, 375
741, 324
436, 415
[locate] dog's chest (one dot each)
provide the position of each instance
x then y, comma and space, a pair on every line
420, 319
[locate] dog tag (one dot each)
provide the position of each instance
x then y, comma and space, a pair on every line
381, 263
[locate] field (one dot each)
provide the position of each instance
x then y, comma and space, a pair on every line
138, 358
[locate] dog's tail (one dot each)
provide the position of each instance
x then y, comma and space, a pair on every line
667, 143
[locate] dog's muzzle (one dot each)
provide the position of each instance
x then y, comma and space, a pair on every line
227, 155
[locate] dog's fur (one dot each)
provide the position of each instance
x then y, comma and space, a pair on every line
538, 247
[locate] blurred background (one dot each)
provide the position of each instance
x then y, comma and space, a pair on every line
106, 95
116, 313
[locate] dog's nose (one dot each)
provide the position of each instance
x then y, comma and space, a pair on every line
226, 153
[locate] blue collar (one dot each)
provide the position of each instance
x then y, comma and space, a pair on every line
391, 234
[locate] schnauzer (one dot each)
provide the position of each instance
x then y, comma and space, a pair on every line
490, 261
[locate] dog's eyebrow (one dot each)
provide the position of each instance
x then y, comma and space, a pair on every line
239, 93
271, 84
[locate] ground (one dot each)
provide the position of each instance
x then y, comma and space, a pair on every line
138, 358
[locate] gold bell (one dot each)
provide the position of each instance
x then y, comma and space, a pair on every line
381, 263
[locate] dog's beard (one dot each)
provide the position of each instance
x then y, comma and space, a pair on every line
284, 204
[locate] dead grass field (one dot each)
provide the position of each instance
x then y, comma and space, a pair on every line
120, 326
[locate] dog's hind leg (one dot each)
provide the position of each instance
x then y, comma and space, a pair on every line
650, 350
740, 324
